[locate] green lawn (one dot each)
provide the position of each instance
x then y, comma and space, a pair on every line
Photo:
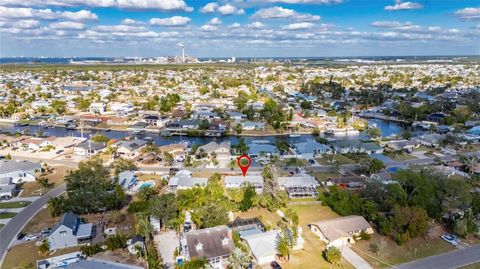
18, 204
7, 215
394, 254
399, 156
339, 158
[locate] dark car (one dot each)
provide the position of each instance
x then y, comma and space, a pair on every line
275, 265
311, 161
20, 236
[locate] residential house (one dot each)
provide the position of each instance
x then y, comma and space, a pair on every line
184, 180
263, 246
130, 148
214, 244
122, 109
99, 108
7, 188
240, 181
340, 231
262, 148
429, 140
299, 185
355, 146
37, 143
236, 116
19, 171
88, 148
217, 148
252, 126
40, 104
310, 149
399, 145
183, 125
136, 244
179, 151
71, 231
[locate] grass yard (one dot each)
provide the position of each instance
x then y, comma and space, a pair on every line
24, 256
395, 254
339, 158
7, 215
41, 220
295, 162
18, 204
56, 178
399, 156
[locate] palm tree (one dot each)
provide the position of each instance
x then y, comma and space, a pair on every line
143, 226
470, 164
238, 259
56, 205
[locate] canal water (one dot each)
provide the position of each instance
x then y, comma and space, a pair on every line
387, 128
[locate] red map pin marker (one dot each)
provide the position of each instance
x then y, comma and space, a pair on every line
244, 162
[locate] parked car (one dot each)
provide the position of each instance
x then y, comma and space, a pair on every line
311, 161
20, 236
46, 231
31, 237
275, 265
451, 239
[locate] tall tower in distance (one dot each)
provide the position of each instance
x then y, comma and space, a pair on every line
183, 51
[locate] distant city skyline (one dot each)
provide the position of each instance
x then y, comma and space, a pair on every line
240, 28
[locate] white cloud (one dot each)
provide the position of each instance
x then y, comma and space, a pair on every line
399, 5
67, 25
215, 21
129, 21
469, 13
390, 24
172, 21
298, 26
21, 24
283, 13
46, 14
230, 10
209, 8
167, 5
225, 10
256, 25
82, 15
209, 28
234, 25
164, 5
317, 2
119, 28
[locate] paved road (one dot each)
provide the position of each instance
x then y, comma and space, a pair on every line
354, 259
9, 232
449, 260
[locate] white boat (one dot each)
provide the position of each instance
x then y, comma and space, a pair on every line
294, 135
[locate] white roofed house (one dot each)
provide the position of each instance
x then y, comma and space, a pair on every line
340, 231
240, 181
71, 231
184, 180
299, 185
7, 188
88, 148
311, 149
214, 244
99, 108
122, 109
19, 171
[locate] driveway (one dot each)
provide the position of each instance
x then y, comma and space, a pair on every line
166, 243
353, 258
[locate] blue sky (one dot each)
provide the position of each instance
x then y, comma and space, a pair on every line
241, 28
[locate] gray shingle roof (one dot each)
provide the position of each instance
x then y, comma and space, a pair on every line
10, 166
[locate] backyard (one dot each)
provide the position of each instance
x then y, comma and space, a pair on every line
54, 179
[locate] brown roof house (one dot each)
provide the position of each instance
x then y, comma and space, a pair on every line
214, 244
341, 231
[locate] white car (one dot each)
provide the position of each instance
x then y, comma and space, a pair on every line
31, 237
451, 239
